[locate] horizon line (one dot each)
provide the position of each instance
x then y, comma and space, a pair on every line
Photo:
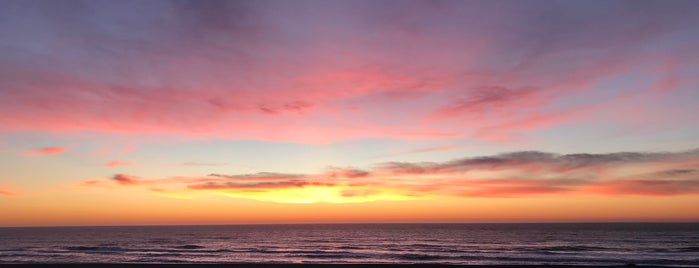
694, 221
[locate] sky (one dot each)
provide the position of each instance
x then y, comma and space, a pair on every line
244, 112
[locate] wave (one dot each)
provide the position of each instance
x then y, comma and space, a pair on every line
15, 255
163, 255
349, 247
335, 256
688, 249
419, 257
165, 241
14, 249
189, 247
572, 248
96, 248
159, 260
316, 241
106, 250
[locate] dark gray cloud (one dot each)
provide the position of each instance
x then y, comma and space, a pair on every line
334, 172
124, 179
539, 160
677, 173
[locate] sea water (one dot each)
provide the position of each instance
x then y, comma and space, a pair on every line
673, 244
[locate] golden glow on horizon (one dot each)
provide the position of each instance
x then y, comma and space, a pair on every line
140, 207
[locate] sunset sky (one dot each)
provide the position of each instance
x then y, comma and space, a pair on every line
208, 112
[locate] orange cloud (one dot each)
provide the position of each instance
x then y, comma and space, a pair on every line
90, 182
6, 192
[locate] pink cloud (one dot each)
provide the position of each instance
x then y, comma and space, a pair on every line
284, 77
47, 150
296, 106
116, 163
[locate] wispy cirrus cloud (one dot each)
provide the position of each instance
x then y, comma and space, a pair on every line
295, 106
517, 174
484, 99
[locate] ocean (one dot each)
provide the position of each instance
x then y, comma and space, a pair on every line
671, 244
